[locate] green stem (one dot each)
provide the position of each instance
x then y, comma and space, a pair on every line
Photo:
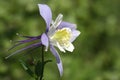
42, 60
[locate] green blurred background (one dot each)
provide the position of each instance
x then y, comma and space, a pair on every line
97, 49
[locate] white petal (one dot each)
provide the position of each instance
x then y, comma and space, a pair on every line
75, 34
61, 48
55, 24
51, 31
57, 21
70, 47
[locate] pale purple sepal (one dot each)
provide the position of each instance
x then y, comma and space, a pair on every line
46, 13
75, 34
44, 40
59, 62
67, 25
33, 45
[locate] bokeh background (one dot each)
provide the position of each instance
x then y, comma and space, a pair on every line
97, 49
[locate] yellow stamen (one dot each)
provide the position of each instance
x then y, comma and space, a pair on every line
62, 36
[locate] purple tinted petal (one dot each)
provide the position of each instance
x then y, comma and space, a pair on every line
33, 45
45, 12
44, 40
67, 25
75, 34
59, 62
60, 67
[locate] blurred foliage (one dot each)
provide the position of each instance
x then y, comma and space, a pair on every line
97, 49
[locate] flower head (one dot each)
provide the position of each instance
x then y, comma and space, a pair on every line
58, 33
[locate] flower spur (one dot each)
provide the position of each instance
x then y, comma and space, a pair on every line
58, 33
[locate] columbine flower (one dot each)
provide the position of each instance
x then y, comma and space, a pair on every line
58, 33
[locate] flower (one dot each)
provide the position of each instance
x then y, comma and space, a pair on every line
58, 34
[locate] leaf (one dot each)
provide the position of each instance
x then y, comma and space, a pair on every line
38, 69
26, 68
45, 62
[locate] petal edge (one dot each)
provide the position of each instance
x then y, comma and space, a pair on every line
45, 41
46, 14
59, 62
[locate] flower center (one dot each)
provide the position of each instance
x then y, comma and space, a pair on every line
62, 36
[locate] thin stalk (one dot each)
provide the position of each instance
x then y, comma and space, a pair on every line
42, 60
